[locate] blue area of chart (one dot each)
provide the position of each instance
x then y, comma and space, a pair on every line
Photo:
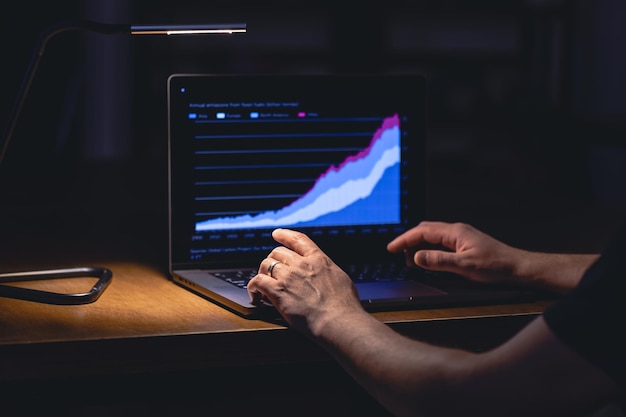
363, 189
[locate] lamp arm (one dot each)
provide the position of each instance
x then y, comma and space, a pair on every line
104, 28
38, 51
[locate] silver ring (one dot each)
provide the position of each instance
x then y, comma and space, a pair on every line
271, 267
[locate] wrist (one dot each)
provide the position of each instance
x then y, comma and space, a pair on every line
334, 328
558, 273
527, 267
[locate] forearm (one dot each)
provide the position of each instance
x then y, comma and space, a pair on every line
406, 376
558, 273
531, 374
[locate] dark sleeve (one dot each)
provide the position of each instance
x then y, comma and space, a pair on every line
591, 319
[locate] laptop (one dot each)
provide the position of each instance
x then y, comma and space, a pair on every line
338, 157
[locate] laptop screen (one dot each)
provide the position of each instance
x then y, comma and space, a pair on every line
339, 157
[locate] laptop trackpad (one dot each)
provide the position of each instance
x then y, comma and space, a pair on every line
396, 290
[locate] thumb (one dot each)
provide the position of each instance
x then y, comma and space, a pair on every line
437, 260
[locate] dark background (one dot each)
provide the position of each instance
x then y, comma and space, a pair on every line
527, 99
526, 124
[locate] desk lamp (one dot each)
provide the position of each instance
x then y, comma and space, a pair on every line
104, 275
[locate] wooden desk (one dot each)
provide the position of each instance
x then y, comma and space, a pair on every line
148, 336
145, 322
149, 347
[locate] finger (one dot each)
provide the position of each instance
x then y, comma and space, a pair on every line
434, 233
273, 268
259, 287
296, 241
266, 265
437, 260
282, 254
256, 297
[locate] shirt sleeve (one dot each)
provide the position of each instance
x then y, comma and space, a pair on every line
591, 319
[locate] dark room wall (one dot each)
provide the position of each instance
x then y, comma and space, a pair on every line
524, 96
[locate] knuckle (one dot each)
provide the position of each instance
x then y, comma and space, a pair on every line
441, 259
460, 226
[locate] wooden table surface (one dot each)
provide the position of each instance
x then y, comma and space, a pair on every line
146, 338
143, 312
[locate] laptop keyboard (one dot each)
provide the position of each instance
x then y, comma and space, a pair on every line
240, 278
379, 272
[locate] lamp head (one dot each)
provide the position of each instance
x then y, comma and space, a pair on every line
188, 29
